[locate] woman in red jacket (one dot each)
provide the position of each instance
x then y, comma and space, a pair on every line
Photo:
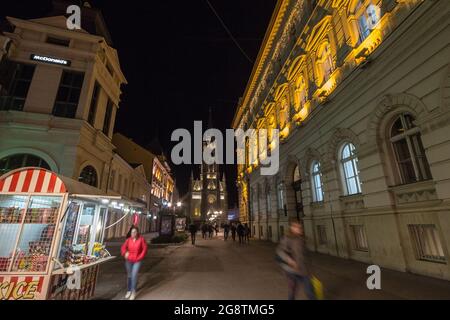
133, 250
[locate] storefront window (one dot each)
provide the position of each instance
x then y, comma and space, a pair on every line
101, 225
68, 235
12, 209
86, 223
34, 247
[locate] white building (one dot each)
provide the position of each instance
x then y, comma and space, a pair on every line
360, 90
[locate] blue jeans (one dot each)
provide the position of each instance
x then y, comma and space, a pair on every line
293, 282
132, 274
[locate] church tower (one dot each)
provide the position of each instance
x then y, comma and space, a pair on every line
208, 194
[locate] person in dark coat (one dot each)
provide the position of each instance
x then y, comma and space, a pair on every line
193, 231
241, 233
292, 255
204, 230
246, 233
210, 230
233, 231
226, 231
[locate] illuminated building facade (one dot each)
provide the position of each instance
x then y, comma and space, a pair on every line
359, 90
59, 94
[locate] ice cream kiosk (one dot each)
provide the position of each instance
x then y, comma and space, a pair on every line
51, 230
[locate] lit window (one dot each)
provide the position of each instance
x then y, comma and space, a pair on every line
317, 182
349, 162
408, 149
368, 19
281, 196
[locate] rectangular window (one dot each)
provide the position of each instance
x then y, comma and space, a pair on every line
58, 41
16, 79
94, 101
281, 231
427, 243
322, 235
68, 94
360, 239
261, 232
108, 115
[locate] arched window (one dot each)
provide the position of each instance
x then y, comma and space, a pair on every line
325, 60
17, 161
408, 149
368, 16
349, 162
88, 176
317, 185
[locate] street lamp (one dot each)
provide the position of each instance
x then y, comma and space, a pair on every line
179, 204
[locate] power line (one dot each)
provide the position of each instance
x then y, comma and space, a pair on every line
228, 31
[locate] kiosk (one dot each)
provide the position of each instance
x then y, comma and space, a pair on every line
51, 236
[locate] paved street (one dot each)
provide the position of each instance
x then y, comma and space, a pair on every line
215, 269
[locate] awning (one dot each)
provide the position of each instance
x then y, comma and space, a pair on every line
38, 180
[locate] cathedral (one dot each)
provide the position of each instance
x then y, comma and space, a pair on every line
208, 193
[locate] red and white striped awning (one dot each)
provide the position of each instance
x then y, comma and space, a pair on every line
32, 180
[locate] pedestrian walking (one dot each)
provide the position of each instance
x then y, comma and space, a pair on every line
204, 230
292, 255
133, 250
226, 231
210, 230
193, 231
216, 228
241, 233
247, 233
233, 231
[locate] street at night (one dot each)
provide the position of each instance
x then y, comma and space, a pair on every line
215, 269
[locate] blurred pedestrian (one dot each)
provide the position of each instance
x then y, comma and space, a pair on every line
210, 230
133, 250
216, 228
247, 233
241, 233
226, 231
292, 254
193, 231
233, 231
204, 230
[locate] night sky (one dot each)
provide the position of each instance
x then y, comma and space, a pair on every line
179, 62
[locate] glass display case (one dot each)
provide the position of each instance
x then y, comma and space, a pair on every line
27, 231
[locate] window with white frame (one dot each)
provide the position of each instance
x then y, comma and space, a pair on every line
427, 243
350, 172
281, 196
408, 149
317, 186
360, 239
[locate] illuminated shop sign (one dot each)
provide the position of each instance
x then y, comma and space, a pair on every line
51, 60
